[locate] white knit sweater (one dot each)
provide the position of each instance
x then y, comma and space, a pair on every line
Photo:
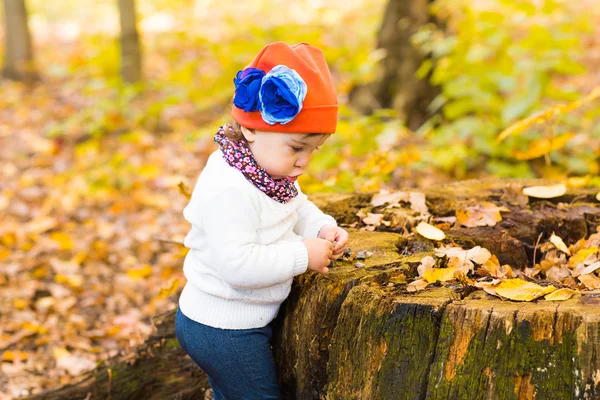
245, 248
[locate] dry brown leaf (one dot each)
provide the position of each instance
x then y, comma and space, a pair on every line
560, 295
591, 281
586, 269
545, 192
559, 243
557, 274
373, 219
184, 190
417, 285
417, 202
430, 232
486, 214
477, 254
392, 198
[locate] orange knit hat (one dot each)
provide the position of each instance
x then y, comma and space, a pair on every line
286, 89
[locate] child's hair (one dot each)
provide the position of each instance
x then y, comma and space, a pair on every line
233, 131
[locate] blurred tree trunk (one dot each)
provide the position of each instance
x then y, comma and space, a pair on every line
18, 61
396, 85
131, 58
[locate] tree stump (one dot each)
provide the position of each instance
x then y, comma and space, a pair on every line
357, 333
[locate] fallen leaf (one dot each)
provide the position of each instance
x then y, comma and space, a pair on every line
477, 254
140, 273
581, 256
560, 294
426, 263
557, 274
545, 192
75, 365
12, 355
590, 281
587, 269
417, 285
392, 198
558, 242
430, 232
578, 181
166, 292
486, 214
417, 202
520, 290
63, 239
373, 219
433, 275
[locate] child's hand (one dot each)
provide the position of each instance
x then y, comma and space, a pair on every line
319, 253
335, 234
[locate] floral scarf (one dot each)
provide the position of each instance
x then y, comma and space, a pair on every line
238, 155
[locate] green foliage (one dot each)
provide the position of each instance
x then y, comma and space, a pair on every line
496, 63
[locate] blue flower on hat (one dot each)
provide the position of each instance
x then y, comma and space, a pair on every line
281, 94
247, 85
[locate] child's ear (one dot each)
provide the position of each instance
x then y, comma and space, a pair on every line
249, 134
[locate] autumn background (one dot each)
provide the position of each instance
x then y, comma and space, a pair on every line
96, 159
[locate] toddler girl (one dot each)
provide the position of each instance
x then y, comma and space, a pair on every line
253, 229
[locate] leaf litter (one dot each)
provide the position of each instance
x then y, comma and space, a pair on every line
568, 269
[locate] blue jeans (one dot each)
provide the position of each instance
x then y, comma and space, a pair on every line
239, 363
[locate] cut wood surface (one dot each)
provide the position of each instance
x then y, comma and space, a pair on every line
357, 333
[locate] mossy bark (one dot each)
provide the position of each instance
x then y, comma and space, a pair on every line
358, 334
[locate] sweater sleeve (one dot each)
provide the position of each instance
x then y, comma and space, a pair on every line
230, 221
310, 218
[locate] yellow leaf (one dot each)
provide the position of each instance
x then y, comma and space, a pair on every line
29, 326
545, 115
578, 181
20, 304
113, 330
581, 255
12, 355
558, 242
75, 281
166, 292
140, 273
63, 239
8, 239
430, 232
543, 146
4, 254
60, 352
520, 290
432, 275
560, 294
545, 192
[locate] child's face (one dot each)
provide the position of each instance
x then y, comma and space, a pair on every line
283, 155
